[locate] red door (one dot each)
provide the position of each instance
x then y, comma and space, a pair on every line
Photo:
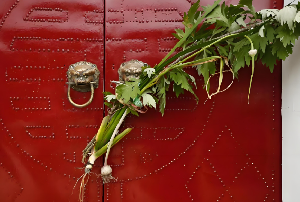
217, 150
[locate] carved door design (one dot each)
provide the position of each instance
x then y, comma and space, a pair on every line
217, 150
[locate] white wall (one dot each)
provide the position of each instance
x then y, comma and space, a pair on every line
291, 125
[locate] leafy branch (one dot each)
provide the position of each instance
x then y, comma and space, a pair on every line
269, 36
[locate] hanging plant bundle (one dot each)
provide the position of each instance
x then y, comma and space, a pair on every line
223, 43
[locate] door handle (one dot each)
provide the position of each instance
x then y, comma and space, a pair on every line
83, 77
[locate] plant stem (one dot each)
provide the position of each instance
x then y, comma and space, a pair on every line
113, 136
155, 79
205, 48
240, 30
252, 48
104, 148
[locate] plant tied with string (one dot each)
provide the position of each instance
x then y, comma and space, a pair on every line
232, 43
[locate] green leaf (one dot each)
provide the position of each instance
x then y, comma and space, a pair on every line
259, 42
132, 111
148, 100
180, 79
280, 50
241, 21
103, 149
187, 34
107, 93
129, 90
215, 15
191, 16
190, 87
185, 84
149, 71
179, 32
108, 104
177, 89
270, 33
162, 95
206, 69
203, 32
223, 50
297, 30
234, 10
175, 77
248, 3
298, 5
233, 27
242, 43
269, 59
192, 12
176, 36
241, 56
193, 80
285, 35
218, 30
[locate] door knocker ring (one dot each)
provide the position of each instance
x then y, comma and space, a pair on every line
83, 77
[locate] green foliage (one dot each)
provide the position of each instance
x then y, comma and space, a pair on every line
206, 69
285, 35
268, 58
273, 33
280, 51
132, 111
248, 3
108, 129
127, 91
241, 57
270, 33
182, 81
217, 16
163, 86
259, 42
103, 149
188, 32
191, 17
219, 40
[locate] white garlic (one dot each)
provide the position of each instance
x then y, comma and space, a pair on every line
106, 170
252, 52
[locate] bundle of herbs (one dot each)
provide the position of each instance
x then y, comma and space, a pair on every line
232, 36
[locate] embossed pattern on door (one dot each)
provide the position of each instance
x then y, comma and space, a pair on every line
217, 150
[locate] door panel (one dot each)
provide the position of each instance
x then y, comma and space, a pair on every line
42, 134
217, 150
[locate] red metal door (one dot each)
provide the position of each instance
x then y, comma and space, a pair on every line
42, 134
218, 150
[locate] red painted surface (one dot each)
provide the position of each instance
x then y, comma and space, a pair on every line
222, 150
42, 134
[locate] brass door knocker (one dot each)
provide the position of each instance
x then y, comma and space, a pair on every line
83, 77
